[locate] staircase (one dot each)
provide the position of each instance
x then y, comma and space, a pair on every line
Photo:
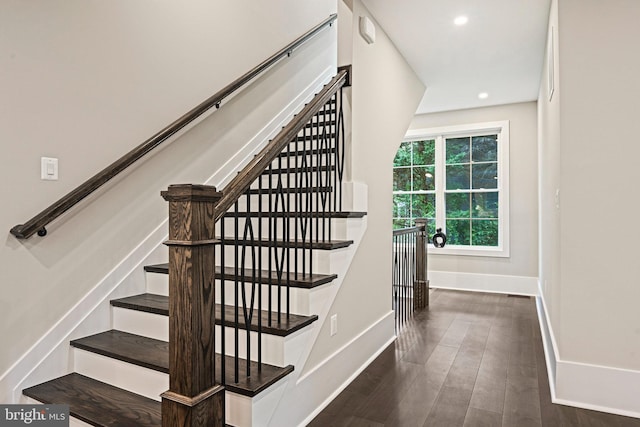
275, 246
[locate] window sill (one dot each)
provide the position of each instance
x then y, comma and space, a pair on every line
497, 252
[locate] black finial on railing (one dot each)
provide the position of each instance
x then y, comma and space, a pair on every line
439, 239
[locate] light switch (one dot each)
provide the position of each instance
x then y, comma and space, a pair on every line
48, 169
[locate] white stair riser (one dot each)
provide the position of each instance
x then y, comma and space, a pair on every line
318, 260
288, 202
340, 229
144, 381
298, 178
302, 301
241, 411
276, 350
150, 325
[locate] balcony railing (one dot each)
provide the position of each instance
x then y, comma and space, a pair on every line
410, 288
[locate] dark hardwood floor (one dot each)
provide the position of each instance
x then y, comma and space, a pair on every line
471, 359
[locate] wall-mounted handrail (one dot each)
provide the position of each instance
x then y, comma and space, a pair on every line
37, 223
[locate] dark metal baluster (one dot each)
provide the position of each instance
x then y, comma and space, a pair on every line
307, 174
408, 274
301, 214
340, 148
337, 191
403, 269
317, 164
296, 212
280, 254
248, 240
396, 269
259, 274
287, 220
271, 249
406, 283
310, 208
321, 195
402, 272
236, 297
331, 143
222, 301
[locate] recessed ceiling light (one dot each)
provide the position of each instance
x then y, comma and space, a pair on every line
483, 95
461, 20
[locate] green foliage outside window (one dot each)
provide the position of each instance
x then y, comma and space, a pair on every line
471, 173
414, 184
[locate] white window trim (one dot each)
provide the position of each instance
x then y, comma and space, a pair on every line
439, 133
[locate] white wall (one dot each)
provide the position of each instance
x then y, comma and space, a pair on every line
599, 177
88, 81
523, 189
588, 150
549, 160
599, 72
384, 97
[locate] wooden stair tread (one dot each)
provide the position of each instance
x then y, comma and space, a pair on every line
154, 354
264, 276
136, 349
328, 245
335, 215
280, 325
98, 403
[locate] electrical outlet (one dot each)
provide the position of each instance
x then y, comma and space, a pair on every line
334, 324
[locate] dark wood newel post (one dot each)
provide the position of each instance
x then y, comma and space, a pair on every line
193, 398
421, 284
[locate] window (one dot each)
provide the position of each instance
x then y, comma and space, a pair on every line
457, 178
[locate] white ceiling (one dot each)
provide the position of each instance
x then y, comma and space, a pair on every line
499, 51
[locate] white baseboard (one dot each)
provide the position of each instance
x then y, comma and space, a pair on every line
587, 386
50, 356
515, 285
599, 388
548, 342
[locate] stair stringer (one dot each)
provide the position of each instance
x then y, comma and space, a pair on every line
51, 356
